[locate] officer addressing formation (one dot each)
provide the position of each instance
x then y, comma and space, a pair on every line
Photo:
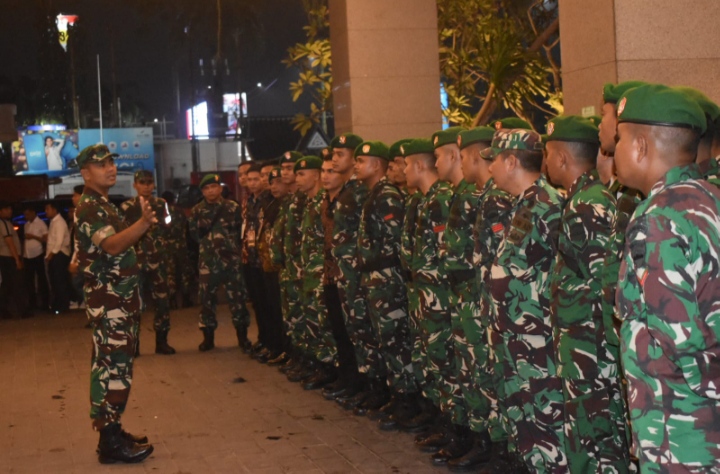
521, 302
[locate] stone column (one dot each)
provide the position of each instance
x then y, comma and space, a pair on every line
674, 42
386, 76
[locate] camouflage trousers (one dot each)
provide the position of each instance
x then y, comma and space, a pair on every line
210, 279
317, 338
114, 340
359, 328
533, 401
154, 278
497, 420
385, 293
179, 274
440, 369
293, 317
416, 338
474, 393
595, 426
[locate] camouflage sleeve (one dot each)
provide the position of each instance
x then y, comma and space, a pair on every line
237, 218
588, 226
429, 242
391, 209
93, 223
276, 242
193, 224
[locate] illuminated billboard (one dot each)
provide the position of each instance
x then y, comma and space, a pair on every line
197, 122
235, 106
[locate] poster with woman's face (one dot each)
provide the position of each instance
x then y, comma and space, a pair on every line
49, 151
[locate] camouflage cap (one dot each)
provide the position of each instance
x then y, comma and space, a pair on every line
656, 104
93, 154
274, 174
612, 92
290, 157
446, 137
211, 178
143, 174
510, 123
373, 148
417, 146
513, 139
346, 140
571, 128
394, 151
475, 135
710, 108
310, 162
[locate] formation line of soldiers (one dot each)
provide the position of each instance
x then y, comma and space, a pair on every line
524, 303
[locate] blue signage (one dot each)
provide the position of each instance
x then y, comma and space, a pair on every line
133, 145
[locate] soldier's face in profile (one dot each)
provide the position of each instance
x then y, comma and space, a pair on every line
399, 162
330, 180
306, 180
552, 162
242, 174
444, 162
411, 172
287, 173
607, 129
364, 168
278, 189
626, 155
212, 192
343, 160
499, 171
264, 174
100, 176
467, 162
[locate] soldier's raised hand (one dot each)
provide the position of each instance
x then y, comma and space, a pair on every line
148, 214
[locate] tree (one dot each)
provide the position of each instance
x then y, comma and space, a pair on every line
313, 61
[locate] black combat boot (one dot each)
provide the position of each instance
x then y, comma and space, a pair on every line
406, 409
461, 441
378, 397
243, 340
325, 374
439, 439
137, 344
279, 360
303, 372
161, 344
501, 461
479, 454
114, 447
208, 341
387, 409
423, 420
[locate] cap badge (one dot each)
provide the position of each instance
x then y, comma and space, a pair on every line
402, 149
343, 139
435, 142
621, 105
366, 148
287, 155
550, 128
303, 164
459, 140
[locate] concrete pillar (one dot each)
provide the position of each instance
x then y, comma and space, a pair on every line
674, 42
386, 75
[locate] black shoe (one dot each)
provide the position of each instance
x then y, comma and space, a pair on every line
114, 447
279, 360
423, 420
461, 442
480, 454
322, 377
291, 365
510, 463
433, 444
262, 356
208, 339
161, 344
378, 398
243, 341
405, 410
134, 438
303, 373
386, 410
339, 388
350, 402
257, 347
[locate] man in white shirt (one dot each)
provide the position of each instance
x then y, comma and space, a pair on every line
35, 280
57, 256
13, 300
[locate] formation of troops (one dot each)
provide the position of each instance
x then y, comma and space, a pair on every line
522, 302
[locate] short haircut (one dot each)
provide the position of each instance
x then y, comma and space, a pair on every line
530, 160
255, 168
53, 204
683, 140
79, 189
428, 158
28, 207
243, 164
584, 151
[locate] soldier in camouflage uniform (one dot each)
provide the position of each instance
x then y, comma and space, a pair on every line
595, 436
107, 260
215, 224
518, 283
180, 270
668, 284
382, 281
152, 252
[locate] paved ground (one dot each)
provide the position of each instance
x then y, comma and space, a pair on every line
193, 407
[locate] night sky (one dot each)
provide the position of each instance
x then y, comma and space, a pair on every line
152, 56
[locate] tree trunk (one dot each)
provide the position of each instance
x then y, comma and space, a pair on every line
487, 109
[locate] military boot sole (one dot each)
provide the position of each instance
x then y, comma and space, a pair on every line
140, 457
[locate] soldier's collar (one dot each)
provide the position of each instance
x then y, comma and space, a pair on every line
675, 175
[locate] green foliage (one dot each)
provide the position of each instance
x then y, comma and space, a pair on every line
313, 61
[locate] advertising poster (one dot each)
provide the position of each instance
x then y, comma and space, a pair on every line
43, 150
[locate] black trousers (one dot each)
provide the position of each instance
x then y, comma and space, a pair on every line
256, 290
60, 283
13, 296
345, 352
276, 336
36, 282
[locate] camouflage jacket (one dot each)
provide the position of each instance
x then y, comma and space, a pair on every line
432, 219
268, 217
153, 245
276, 250
575, 283
456, 250
346, 217
292, 239
519, 277
668, 300
380, 228
407, 237
312, 253
710, 170
251, 227
495, 208
177, 231
111, 282
216, 228
331, 272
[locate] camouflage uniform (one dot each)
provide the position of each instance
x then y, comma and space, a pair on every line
710, 170
291, 247
152, 252
433, 289
277, 257
382, 283
113, 306
595, 438
318, 338
495, 208
668, 300
216, 228
346, 216
520, 291
179, 268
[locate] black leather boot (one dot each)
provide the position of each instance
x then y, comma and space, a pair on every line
114, 447
161, 344
378, 397
304, 372
279, 360
406, 409
243, 340
324, 375
386, 410
441, 438
423, 420
208, 339
479, 454
137, 344
501, 461
461, 441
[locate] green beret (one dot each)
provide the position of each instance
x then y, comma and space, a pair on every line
572, 128
595, 119
446, 137
475, 135
290, 157
326, 153
209, 179
512, 139
93, 154
612, 92
656, 104
373, 148
310, 162
710, 108
275, 173
417, 146
143, 174
346, 140
395, 151
511, 122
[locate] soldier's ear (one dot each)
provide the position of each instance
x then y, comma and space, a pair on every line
641, 147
